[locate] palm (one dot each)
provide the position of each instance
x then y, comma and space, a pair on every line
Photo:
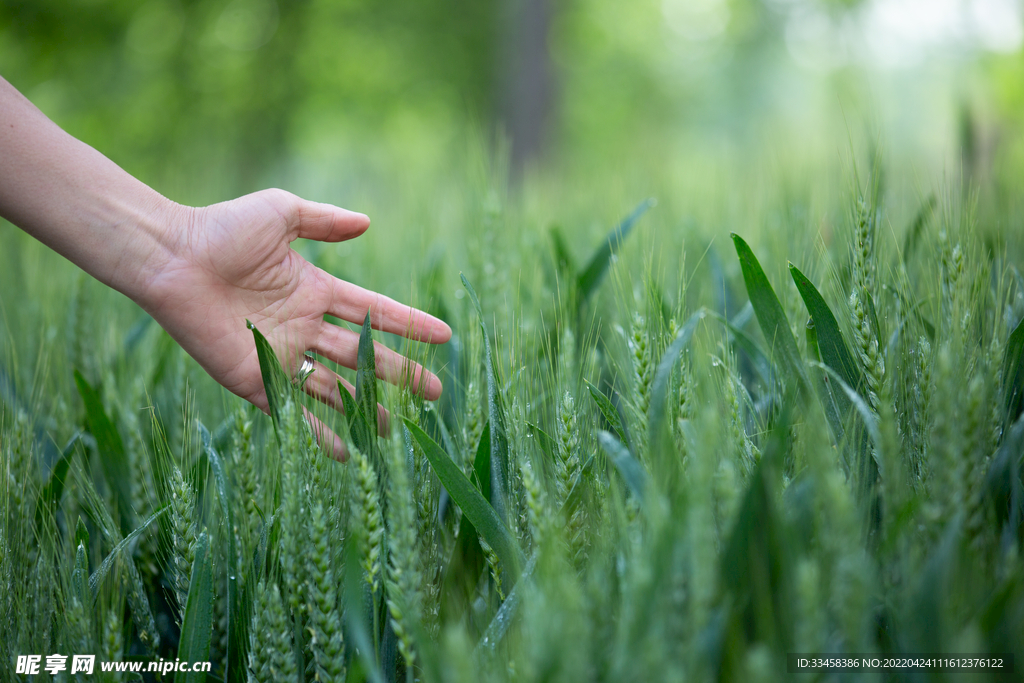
235, 264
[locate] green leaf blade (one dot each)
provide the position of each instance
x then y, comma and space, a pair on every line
921, 219
834, 351
364, 439
496, 417
657, 434
1013, 375
482, 462
275, 381
547, 443
474, 506
588, 280
236, 637
49, 497
754, 564
197, 625
101, 572
632, 471
563, 257
499, 625
611, 415
762, 364
113, 457
366, 378
770, 316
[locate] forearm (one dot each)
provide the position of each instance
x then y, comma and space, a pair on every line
81, 204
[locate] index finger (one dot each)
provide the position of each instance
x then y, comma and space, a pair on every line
351, 302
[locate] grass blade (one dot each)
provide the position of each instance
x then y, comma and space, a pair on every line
235, 627
757, 355
366, 380
80, 584
593, 273
1003, 488
138, 602
869, 467
754, 560
498, 627
49, 498
197, 626
834, 352
924, 214
929, 328
831, 403
81, 533
109, 444
657, 432
451, 447
357, 622
632, 471
544, 440
364, 439
477, 510
482, 462
496, 415
611, 415
275, 381
1013, 374
576, 490
859, 404
770, 316
101, 572
259, 559
563, 257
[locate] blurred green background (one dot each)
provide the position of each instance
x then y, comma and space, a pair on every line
467, 128
208, 99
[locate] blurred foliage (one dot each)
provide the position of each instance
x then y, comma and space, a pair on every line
206, 99
228, 86
201, 94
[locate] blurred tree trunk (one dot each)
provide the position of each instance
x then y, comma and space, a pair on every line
526, 100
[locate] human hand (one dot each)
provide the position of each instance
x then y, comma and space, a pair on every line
201, 273
232, 262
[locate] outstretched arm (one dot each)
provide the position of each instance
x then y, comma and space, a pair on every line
201, 272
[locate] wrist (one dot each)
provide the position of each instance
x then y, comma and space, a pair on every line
157, 228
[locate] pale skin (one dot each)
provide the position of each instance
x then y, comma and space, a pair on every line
201, 272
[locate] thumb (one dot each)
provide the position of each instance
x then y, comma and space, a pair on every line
321, 222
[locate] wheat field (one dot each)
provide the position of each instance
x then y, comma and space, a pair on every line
664, 452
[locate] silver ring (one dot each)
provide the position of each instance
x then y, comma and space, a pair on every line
305, 370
